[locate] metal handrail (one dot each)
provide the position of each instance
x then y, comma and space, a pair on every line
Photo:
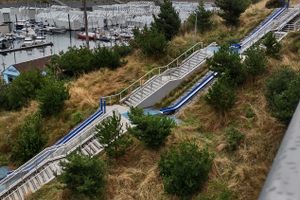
116, 98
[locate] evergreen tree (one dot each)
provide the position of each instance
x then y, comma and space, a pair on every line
52, 97
232, 9
151, 42
221, 95
109, 133
204, 21
255, 62
168, 21
83, 175
184, 169
30, 140
228, 62
272, 45
152, 130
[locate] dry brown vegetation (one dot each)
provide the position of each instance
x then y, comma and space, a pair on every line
136, 176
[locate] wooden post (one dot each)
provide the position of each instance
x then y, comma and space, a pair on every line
86, 25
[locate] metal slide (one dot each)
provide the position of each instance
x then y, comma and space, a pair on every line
204, 82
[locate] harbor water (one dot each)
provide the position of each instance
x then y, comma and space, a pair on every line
61, 42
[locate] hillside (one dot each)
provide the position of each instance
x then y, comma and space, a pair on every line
234, 175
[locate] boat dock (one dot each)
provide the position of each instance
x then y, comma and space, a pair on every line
4, 52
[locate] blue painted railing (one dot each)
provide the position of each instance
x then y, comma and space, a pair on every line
14, 176
189, 95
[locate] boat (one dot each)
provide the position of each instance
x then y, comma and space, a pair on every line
82, 36
40, 40
28, 42
53, 29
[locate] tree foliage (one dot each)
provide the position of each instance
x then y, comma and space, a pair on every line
232, 9
184, 169
274, 3
22, 90
152, 130
83, 175
76, 61
167, 21
228, 62
151, 42
204, 21
283, 93
30, 139
221, 95
52, 97
273, 47
109, 133
255, 62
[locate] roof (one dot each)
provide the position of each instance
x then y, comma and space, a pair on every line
37, 64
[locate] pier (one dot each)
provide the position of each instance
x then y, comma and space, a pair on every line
4, 52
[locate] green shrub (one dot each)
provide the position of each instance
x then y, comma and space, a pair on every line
273, 4
273, 47
109, 134
283, 93
23, 89
151, 42
204, 21
228, 62
83, 175
30, 139
167, 21
184, 169
76, 118
104, 57
152, 130
52, 97
255, 62
233, 138
232, 9
221, 95
123, 50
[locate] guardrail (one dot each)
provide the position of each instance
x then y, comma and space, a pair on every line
62, 147
116, 98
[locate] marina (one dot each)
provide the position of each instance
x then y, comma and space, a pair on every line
27, 32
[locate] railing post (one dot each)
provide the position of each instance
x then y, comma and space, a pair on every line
104, 106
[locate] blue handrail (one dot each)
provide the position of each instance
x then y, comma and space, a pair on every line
186, 98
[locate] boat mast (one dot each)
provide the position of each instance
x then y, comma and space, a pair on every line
86, 25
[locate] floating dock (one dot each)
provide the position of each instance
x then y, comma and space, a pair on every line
4, 52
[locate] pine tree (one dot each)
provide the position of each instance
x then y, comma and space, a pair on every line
232, 9
204, 22
272, 45
168, 21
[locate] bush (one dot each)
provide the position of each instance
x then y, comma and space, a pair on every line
152, 130
283, 94
204, 22
122, 50
184, 169
232, 9
273, 4
255, 62
30, 140
109, 134
52, 97
76, 118
233, 138
104, 57
221, 95
228, 62
83, 175
23, 89
272, 45
73, 62
167, 21
151, 42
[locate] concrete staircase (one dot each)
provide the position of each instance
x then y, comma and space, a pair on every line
156, 84
48, 171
